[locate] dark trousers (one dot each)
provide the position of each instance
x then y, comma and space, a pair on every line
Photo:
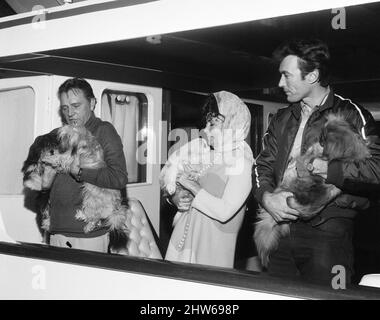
311, 252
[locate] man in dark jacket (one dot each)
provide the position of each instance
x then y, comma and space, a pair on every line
77, 103
313, 247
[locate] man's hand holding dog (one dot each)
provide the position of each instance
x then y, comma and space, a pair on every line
276, 204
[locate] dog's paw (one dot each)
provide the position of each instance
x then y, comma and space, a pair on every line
89, 227
46, 224
34, 182
80, 216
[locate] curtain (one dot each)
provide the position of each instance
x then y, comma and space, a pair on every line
124, 115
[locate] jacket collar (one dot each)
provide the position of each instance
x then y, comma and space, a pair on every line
296, 109
92, 122
328, 104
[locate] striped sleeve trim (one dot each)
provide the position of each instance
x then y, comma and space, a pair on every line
360, 113
256, 172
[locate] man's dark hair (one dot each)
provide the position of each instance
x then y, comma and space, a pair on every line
77, 83
312, 54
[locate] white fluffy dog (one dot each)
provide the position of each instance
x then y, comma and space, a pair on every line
101, 206
193, 158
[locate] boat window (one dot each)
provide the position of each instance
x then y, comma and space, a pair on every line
128, 112
16, 136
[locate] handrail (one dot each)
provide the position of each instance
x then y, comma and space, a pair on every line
244, 280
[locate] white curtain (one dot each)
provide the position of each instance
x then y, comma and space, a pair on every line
125, 118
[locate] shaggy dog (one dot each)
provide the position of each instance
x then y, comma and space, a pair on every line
33, 168
193, 159
339, 140
100, 207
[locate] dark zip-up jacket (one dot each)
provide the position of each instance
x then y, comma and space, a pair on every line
359, 178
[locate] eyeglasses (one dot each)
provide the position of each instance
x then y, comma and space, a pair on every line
214, 117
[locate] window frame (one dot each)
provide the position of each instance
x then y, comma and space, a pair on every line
143, 168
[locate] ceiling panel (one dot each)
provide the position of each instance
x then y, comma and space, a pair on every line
235, 57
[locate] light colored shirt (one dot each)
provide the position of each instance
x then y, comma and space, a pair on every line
306, 111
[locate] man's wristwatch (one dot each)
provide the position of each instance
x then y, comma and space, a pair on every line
310, 167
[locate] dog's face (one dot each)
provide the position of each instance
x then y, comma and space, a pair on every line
69, 138
33, 173
59, 161
42, 144
59, 154
33, 167
338, 140
191, 158
78, 141
341, 140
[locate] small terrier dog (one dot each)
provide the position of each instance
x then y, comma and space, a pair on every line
339, 140
101, 206
193, 159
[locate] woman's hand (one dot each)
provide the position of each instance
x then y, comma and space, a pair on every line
182, 199
189, 184
190, 172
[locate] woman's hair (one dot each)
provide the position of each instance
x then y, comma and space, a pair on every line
312, 54
210, 106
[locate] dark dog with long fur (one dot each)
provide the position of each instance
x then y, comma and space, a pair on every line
101, 207
339, 140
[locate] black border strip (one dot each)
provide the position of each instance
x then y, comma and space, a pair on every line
75, 11
201, 274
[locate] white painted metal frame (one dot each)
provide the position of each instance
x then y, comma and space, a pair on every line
42, 279
20, 223
157, 17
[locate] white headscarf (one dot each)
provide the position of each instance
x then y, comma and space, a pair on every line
235, 127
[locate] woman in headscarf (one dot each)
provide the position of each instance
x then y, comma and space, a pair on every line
207, 233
